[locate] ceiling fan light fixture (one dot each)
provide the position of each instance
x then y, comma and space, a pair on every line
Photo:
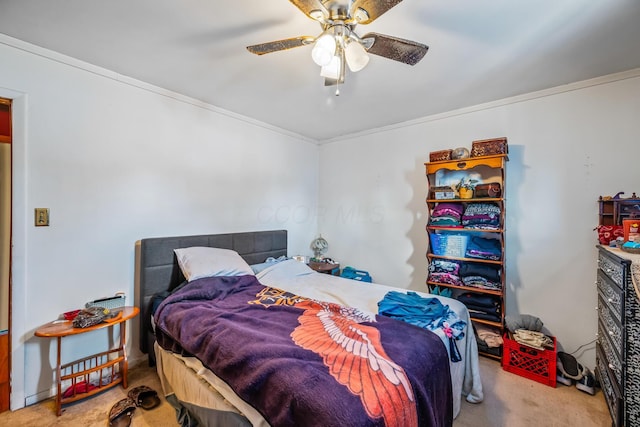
360, 15
324, 49
317, 14
333, 69
356, 56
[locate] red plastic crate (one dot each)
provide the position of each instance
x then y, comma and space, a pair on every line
528, 362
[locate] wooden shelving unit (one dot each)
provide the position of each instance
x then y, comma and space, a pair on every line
485, 169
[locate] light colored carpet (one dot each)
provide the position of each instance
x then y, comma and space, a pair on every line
510, 400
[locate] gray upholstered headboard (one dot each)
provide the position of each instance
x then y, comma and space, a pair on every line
159, 269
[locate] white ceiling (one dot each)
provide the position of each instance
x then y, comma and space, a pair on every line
480, 51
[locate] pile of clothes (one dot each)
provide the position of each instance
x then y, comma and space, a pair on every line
485, 216
481, 248
483, 276
445, 271
482, 306
447, 215
489, 339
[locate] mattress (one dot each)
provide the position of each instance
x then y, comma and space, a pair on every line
205, 394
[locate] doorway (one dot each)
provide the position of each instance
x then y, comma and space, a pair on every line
5, 251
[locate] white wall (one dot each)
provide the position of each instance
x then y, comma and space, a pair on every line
566, 147
115, 161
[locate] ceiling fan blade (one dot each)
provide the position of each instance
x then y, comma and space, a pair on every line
373, 8
274, 46
308, 6
401, 50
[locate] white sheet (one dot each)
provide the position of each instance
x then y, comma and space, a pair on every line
296, 277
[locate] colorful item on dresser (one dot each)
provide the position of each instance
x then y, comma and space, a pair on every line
482, 215
481, 248
609, 233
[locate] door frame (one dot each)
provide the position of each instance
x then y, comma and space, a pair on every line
18, 282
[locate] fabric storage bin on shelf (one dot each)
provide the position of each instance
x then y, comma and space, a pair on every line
489, 147
449, 244
528, 362
438, 156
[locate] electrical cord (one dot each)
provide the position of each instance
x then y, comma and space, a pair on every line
583, 345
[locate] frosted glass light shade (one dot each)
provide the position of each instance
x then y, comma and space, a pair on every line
323, 50
356, 56
332, 69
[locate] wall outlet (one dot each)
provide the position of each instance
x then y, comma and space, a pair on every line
41, 217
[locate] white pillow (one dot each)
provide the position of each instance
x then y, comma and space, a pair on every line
198, 261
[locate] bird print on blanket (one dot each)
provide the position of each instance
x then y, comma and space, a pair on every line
353, 353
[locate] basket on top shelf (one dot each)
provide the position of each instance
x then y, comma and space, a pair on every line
438, 156
489, 147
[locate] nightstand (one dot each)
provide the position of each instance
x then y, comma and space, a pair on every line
109, 366
325, 267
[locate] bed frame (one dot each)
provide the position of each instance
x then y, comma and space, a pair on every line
159, 270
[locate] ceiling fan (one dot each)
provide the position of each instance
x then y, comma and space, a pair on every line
338, 46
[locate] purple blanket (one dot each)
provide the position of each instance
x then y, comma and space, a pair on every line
302, 362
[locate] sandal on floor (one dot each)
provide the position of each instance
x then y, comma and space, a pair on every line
121, 413
144, 397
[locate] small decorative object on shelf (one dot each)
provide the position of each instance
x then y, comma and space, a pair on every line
443, 193
465, 188
459, 153
319, 247
491, 189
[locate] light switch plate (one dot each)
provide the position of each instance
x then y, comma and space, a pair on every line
41, 217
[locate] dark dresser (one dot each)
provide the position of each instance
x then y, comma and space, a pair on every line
618, 344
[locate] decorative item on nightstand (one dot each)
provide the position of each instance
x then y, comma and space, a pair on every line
319, 247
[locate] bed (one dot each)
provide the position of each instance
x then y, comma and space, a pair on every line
202, 397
